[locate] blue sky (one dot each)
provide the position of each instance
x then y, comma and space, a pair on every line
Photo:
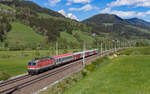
82, 9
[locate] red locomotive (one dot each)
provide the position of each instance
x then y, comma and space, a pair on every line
39, 65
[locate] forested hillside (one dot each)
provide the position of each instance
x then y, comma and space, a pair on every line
139, 23
118, 27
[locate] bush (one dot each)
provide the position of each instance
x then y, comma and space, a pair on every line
90, 67
84, 73
96, 63
4, 76
75, 51
147, 53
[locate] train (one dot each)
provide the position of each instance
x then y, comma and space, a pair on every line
40, 65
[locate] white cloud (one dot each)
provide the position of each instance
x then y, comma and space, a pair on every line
125, 14
68, 4
86, 7
80, 1
52, 2
137, 3
106, 10
69, 15
148, 12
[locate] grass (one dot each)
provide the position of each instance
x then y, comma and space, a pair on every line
14, 65
23, 35
122, 75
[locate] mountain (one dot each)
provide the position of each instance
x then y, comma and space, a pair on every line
24, 22
105, 18
112, 25
139, 22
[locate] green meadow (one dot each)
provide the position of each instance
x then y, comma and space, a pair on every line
126, 74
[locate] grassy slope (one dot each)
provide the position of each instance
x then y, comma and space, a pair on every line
6, 7
68, 37
24, 35
44, 15
82, 36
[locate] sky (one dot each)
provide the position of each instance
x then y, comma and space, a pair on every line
83, 9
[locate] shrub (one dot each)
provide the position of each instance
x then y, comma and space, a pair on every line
75, 51
147, 53
96, 63
90, 67
84, 73
4, 76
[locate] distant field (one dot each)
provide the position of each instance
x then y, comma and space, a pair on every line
122, 75
23, 35
136, 51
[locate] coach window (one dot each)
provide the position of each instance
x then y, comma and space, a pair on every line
57, 60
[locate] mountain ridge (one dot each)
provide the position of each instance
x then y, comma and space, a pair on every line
115, 25
31, 5
139, 22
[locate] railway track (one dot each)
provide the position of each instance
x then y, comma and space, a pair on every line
14, 80
13, 88
19, 86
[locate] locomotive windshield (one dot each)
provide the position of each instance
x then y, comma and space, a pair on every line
32, 64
